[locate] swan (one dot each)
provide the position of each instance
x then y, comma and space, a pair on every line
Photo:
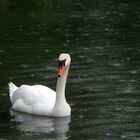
40, 99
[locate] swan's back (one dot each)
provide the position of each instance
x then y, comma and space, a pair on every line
37, 99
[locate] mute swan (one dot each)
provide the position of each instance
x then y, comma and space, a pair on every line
41, 100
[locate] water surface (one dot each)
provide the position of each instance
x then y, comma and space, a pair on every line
103, 84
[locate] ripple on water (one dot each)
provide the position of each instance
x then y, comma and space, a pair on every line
24, 66
133, 71
1, 51
130, 136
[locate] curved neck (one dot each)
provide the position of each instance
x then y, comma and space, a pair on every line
61, 84
61, 107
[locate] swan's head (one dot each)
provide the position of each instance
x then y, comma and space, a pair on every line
64, 61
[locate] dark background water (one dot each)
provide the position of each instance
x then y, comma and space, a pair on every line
103, 86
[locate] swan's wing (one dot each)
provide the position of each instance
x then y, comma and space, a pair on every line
35, 99
46, 95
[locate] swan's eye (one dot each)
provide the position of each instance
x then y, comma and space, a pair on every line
62, 62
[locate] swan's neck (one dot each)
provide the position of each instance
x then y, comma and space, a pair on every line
61, 107
61, 84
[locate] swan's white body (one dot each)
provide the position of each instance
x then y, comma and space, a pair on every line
41, 100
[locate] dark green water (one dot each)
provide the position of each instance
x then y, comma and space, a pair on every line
103, 87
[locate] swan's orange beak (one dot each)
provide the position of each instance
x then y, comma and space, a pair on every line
61, 70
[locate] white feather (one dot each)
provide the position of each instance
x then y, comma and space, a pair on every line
41, 100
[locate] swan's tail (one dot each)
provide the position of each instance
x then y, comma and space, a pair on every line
12, 88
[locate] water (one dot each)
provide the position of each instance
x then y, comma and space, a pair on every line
103, 84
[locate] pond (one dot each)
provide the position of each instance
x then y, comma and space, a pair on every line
103, 86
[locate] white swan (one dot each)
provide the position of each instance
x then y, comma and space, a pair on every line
41, 100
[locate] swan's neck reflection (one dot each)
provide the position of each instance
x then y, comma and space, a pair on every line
29, 123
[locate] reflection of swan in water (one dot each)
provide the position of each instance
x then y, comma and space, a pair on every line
39, 124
